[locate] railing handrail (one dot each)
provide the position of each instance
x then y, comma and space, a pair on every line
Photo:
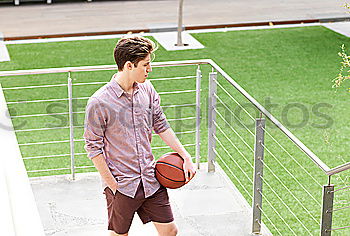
292, 137
97, 68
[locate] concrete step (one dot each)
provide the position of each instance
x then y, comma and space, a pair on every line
208, 205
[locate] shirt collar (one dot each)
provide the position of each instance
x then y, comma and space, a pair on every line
119, 90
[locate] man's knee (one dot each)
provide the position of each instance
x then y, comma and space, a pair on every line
171, 231
174, 231
166, 229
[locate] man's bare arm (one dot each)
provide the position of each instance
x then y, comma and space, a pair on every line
101, 165
169, 137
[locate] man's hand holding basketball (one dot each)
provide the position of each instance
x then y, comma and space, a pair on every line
169, 137
189, 169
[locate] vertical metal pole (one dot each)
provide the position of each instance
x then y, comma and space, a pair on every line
179, 24
71, 124
327, 210
258, 174
211, 120
198, 115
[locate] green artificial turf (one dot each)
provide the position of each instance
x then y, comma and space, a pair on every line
288, 71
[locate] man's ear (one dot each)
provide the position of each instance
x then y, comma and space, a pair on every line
128, 65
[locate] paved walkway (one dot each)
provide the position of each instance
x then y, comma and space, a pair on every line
112, 16
209, 205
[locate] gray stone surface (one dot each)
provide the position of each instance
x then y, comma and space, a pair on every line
105, 16
208, 205
339, 27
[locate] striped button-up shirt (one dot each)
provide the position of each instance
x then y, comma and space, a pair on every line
119, 126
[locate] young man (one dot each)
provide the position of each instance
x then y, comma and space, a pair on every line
119, 121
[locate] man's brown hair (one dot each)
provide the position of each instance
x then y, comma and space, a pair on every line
133, 49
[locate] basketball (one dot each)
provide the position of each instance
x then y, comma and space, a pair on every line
169, 170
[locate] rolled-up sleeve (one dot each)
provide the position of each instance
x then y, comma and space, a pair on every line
160, 123
94, 128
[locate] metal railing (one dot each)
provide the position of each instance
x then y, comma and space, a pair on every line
221, 148
325, 224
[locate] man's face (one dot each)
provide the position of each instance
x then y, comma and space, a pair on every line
140, 72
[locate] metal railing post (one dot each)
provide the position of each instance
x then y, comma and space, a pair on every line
327, 210
71, 124
258, 174
198, 115
211, 120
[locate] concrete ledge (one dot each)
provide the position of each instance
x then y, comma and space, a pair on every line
25, 215
4, 54
6, 222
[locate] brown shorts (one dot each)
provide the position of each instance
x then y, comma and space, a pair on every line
121, 208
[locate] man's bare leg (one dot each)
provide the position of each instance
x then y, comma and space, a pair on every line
112, 233
166, 229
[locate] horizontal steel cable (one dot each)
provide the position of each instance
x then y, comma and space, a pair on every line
217, 112
341, 189
44, 114
79, 154
179, 105
234, 115
177, 92
35, 101
342, 208
310, 195
232, 159
83, 112
182, 132
33, 171
84, 167
186, 118
265, 215
47, 156
233, 175
307, 172
217, 82
48, 100
185, 145
288, 208
88, 83
85, 98
48, 142
80, 98
173, 78
40, 129
250, 164
186, 132
80, 140
58, 169
345, 227
43, 129
37, 86
279, 215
